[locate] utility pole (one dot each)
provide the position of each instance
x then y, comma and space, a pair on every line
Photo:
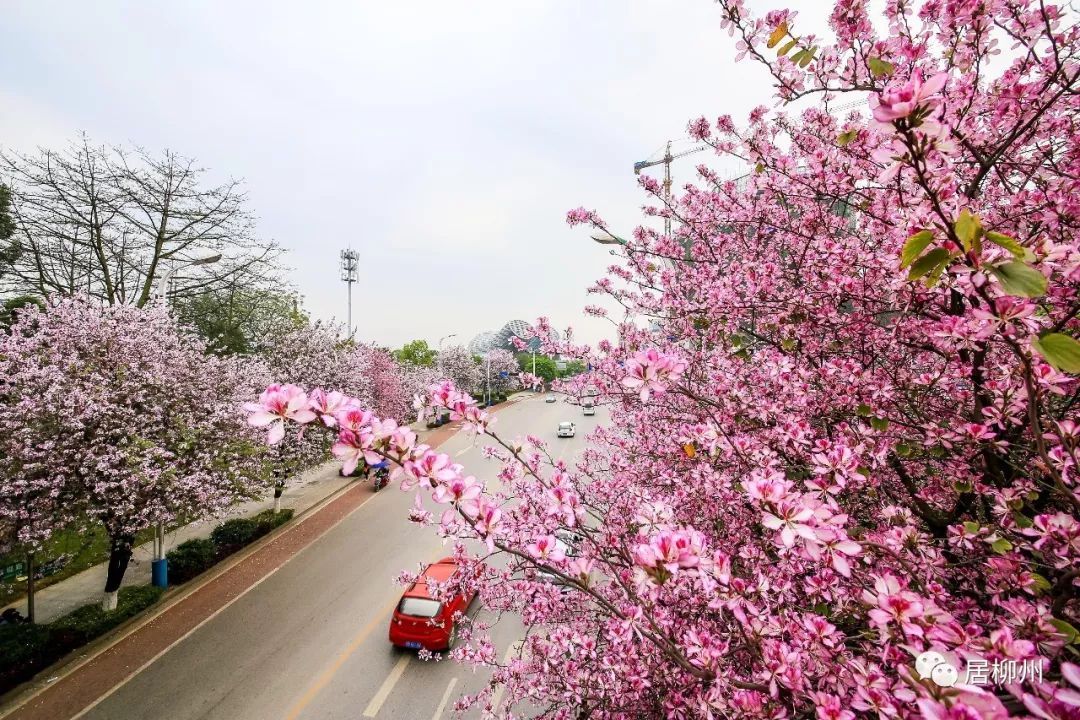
349, 276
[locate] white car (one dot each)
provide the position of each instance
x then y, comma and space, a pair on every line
570, 544
589, 409
567, 429
549, 398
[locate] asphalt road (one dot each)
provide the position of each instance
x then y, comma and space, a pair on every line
310, 641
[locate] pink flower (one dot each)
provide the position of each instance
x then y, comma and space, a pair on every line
790, 519
900, 102
327, 405
461, 491
431, 468
651, 371
546, 548
277, 404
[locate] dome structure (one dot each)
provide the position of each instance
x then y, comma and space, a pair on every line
483, 342
503, 339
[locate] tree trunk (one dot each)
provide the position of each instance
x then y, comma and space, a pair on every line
119, 556
278, 490
30, 587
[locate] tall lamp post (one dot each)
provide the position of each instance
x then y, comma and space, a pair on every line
159, 567
349, 267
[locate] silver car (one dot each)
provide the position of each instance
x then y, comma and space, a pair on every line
567, 429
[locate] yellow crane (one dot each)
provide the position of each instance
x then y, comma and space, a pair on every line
665, 160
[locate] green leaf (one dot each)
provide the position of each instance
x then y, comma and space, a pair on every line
786, 48
864, 471
1022, 520
880, 68
967, 229
879, 424
1065, 629
864, 410
798, 57
778, 34
808, 55
914, 247
845, 138
1001, 546
1039, 583
1008, 243
789, 344
904, 450
1020, 279
928, 262
971, 527
1061, 351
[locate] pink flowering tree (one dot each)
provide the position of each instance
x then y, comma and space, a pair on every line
502, 367
114, 414
456, 363
851, 437
314, 355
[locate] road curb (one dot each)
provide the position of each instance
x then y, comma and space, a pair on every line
24, 693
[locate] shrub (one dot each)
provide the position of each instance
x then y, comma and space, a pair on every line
232, 535
90, 621
25, 650
268, 520
190, 558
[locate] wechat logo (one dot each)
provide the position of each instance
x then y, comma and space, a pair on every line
933, 665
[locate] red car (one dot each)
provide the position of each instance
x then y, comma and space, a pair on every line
422, 622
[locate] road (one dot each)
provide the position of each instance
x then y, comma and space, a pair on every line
310, 641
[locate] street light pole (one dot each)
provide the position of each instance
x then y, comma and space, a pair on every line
159, 567
441, 341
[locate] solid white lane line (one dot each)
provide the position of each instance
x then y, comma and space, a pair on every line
461, 452
376, 703
445, 699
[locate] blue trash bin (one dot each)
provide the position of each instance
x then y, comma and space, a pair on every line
159, 573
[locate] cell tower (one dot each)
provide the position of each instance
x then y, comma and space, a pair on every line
349, 267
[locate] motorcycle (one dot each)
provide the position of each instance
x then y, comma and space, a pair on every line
381, 472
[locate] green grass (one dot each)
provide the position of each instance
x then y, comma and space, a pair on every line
89, 546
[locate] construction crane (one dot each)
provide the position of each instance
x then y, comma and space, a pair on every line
666, 162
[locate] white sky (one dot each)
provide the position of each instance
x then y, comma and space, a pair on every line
444, 141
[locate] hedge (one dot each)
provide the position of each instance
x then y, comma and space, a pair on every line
190, 558
27, 649
193, 557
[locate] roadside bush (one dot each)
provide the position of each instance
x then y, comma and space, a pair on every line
25, 650
190, 558
90, 621
268, 520
232, 535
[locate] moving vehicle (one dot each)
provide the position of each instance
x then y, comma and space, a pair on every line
549, 398
420, 621
587, 408
380, 475
567, 429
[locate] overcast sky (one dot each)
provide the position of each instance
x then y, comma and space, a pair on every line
444, 141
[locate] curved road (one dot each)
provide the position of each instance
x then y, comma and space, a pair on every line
310, 641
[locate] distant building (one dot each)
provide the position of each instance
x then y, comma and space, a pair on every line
502, 339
